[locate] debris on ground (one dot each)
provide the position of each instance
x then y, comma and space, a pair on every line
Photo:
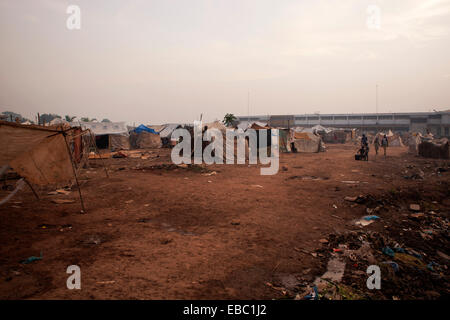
32, 259
62, 201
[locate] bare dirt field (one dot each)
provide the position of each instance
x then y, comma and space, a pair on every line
157, 231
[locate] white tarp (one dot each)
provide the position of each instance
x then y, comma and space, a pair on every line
167, 131
102, 128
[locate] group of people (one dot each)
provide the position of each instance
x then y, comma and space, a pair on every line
364, 150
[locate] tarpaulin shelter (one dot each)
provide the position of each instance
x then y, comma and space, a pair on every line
166, 133
40, 155
143, 128
283, 140
107, 135
436, 148
306, 142
144, 137
394, 140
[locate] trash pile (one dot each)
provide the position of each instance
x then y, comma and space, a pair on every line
411, 251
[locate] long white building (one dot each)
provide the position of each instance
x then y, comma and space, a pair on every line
438, 123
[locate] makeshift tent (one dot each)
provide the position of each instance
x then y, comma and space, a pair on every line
216, 125
166, 134
320, 129
306, 142
394, 140
335, 136
40, 155
157, 128
107, 135
145, 138
283, 140
244, 125
57, 122
436, 148
143, 128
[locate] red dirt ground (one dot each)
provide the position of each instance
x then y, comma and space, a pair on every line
154, 233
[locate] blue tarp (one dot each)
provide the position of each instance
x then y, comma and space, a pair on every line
143, 128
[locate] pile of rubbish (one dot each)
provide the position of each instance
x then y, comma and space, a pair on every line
410, 252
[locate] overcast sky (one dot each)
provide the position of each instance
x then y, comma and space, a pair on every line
158, 61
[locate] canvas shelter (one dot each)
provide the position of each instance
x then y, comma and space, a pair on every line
107, 135
283, 140
166, 134
394, 140
158, 128
144, 137
436, 148
304, 141
40, 155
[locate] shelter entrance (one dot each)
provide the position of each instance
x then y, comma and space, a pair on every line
102, 141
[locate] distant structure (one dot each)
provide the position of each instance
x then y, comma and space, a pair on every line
438, 123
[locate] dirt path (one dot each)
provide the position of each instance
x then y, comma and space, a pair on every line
183, 234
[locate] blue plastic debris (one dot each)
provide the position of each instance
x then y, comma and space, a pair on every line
430, 266
399, 250
393, 264
143, 128
388, 251
32, 259
314, 295
368, 218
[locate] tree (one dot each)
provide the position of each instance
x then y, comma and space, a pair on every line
69, 118
106, 120
229, 120
11, 116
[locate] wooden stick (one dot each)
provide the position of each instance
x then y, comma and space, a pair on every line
95, 146
74, 172
32, 189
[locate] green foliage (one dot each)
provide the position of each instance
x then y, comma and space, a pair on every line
229, 120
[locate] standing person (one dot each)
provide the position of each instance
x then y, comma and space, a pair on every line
384, 144
376, 143
363, 140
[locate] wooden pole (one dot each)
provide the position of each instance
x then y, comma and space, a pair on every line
95, 146
32, 189
74, 172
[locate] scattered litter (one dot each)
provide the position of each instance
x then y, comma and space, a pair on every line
442, 255
63, 191
414, 207
210, 173
417, 215
393, 264
335, 271
32, 259
62, 201
106, 282
235, 222
366, 220
282, 290
388, 251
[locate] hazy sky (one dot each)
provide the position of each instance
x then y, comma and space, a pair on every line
157, 61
